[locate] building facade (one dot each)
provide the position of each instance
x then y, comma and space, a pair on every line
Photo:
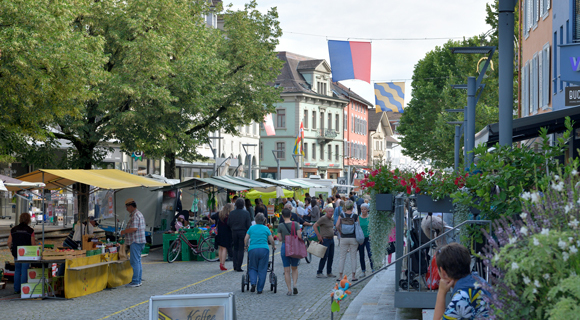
378, 135
356, 129
308, 98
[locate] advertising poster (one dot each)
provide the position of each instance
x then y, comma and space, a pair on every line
270, 210
205, 312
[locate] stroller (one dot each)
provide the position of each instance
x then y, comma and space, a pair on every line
418, 262
273, 278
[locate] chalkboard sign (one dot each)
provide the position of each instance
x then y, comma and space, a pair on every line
215, 306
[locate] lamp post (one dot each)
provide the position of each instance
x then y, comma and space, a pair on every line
474, 89
213, 150
294, 156
249, 159
276, 153
506, 70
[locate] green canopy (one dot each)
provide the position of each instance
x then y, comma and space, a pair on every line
266, 196
202, 183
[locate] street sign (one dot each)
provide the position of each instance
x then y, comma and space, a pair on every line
218, 306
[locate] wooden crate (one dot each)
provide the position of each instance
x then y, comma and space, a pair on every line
55, 255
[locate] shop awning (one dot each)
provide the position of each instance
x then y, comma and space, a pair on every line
11, 184
286, 184
104, 179
202, 183
305, 184
527, 127
243, 181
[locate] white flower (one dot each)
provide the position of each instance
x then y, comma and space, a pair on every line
535, 197
577, 184
558, 187
513, 240
526, 196
535, 291
556, 177
578, 243
570, 239
496, 258
526, 280
537, 283
545, 231
515, 266
565, 256
568, 207
448, 170
573, 250
561, 244
573, 223
536, 242
523, 215
546, 276
574, 172
524, 230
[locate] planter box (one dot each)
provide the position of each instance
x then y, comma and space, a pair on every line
384, 201
426, 204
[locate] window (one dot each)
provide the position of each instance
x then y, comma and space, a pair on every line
377, 145
281, 118
329, 120
336, 152
535, 12
314, 151
281, 146
526, 89
255, 128
352, 123
322, 88
305, 119
313, 119
261, 150
337, 122
576, 21
345, 121
535, 84
321, 121
322, 152
305, 151
544, 9
329, 152
546, 74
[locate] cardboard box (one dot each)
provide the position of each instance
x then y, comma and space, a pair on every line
28, 253
33, 290
34, 274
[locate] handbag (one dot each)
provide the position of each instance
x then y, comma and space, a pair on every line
317, 249
122, 252
294, 246
360, 236
433, 276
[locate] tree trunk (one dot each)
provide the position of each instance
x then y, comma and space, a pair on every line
85, 153
170, 165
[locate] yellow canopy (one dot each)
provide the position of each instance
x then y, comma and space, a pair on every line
104, 178
266, 196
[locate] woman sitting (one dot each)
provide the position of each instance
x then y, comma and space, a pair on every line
258, 237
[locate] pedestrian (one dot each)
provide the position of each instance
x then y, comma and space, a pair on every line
135, 238
324, 231
307, 207
250, 209
338, 211
294, 203
300, 209
260, 207
239, 221
315, 212
320, 199
256, 240
467, 298
364, 225
290, 264
359, 203
345, 226
224, 233
21, 235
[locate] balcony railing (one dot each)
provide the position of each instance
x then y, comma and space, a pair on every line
327, 134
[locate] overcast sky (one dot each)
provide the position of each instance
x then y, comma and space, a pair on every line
376, 19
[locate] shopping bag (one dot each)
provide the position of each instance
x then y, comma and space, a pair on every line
294, 246
317, 249
432, 275
122, 252
360, 236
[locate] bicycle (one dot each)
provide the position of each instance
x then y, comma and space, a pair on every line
205, 247
306, 232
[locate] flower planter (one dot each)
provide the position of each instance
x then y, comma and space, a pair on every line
427, 204
384, 202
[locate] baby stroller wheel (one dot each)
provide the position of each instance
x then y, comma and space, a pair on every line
404, 284
273, 282
415, 284
243, 282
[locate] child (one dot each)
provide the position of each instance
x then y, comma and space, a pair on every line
453, 261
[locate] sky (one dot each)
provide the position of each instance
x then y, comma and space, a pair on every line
308, 24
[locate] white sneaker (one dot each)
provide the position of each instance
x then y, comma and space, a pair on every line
363, 275
133, 285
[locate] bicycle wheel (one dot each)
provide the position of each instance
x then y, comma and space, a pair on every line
174, 250
207, 250
308, 257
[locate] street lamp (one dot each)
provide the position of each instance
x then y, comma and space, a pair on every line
275, 153
250, 158
473, 85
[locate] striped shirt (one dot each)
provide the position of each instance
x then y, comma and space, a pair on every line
137, 221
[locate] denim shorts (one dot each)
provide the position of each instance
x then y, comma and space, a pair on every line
287, 261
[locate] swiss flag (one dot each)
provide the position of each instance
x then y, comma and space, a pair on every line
269, 125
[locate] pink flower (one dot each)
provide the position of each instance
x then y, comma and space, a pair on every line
370, 184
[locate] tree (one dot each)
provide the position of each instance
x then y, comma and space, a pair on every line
426, 134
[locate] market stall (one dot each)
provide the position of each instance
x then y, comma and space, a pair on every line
89, 270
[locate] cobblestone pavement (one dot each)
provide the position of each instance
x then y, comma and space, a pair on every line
161, 278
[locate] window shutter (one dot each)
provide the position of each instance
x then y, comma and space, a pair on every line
547, 4
542, 7
540, 80
547, 73
529, 14
537, 7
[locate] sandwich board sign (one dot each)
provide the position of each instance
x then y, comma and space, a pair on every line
214, 306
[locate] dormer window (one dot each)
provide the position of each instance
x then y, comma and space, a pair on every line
322, 88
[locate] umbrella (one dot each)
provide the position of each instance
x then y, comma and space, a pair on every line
2, 187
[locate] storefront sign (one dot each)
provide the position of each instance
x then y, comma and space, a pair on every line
569, 63
270, 210
210, 306
572, 96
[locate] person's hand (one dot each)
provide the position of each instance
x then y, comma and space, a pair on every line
445, 285
274, 247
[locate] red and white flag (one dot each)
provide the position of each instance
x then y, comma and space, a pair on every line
269, 125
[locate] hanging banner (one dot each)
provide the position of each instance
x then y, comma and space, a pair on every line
390, 96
